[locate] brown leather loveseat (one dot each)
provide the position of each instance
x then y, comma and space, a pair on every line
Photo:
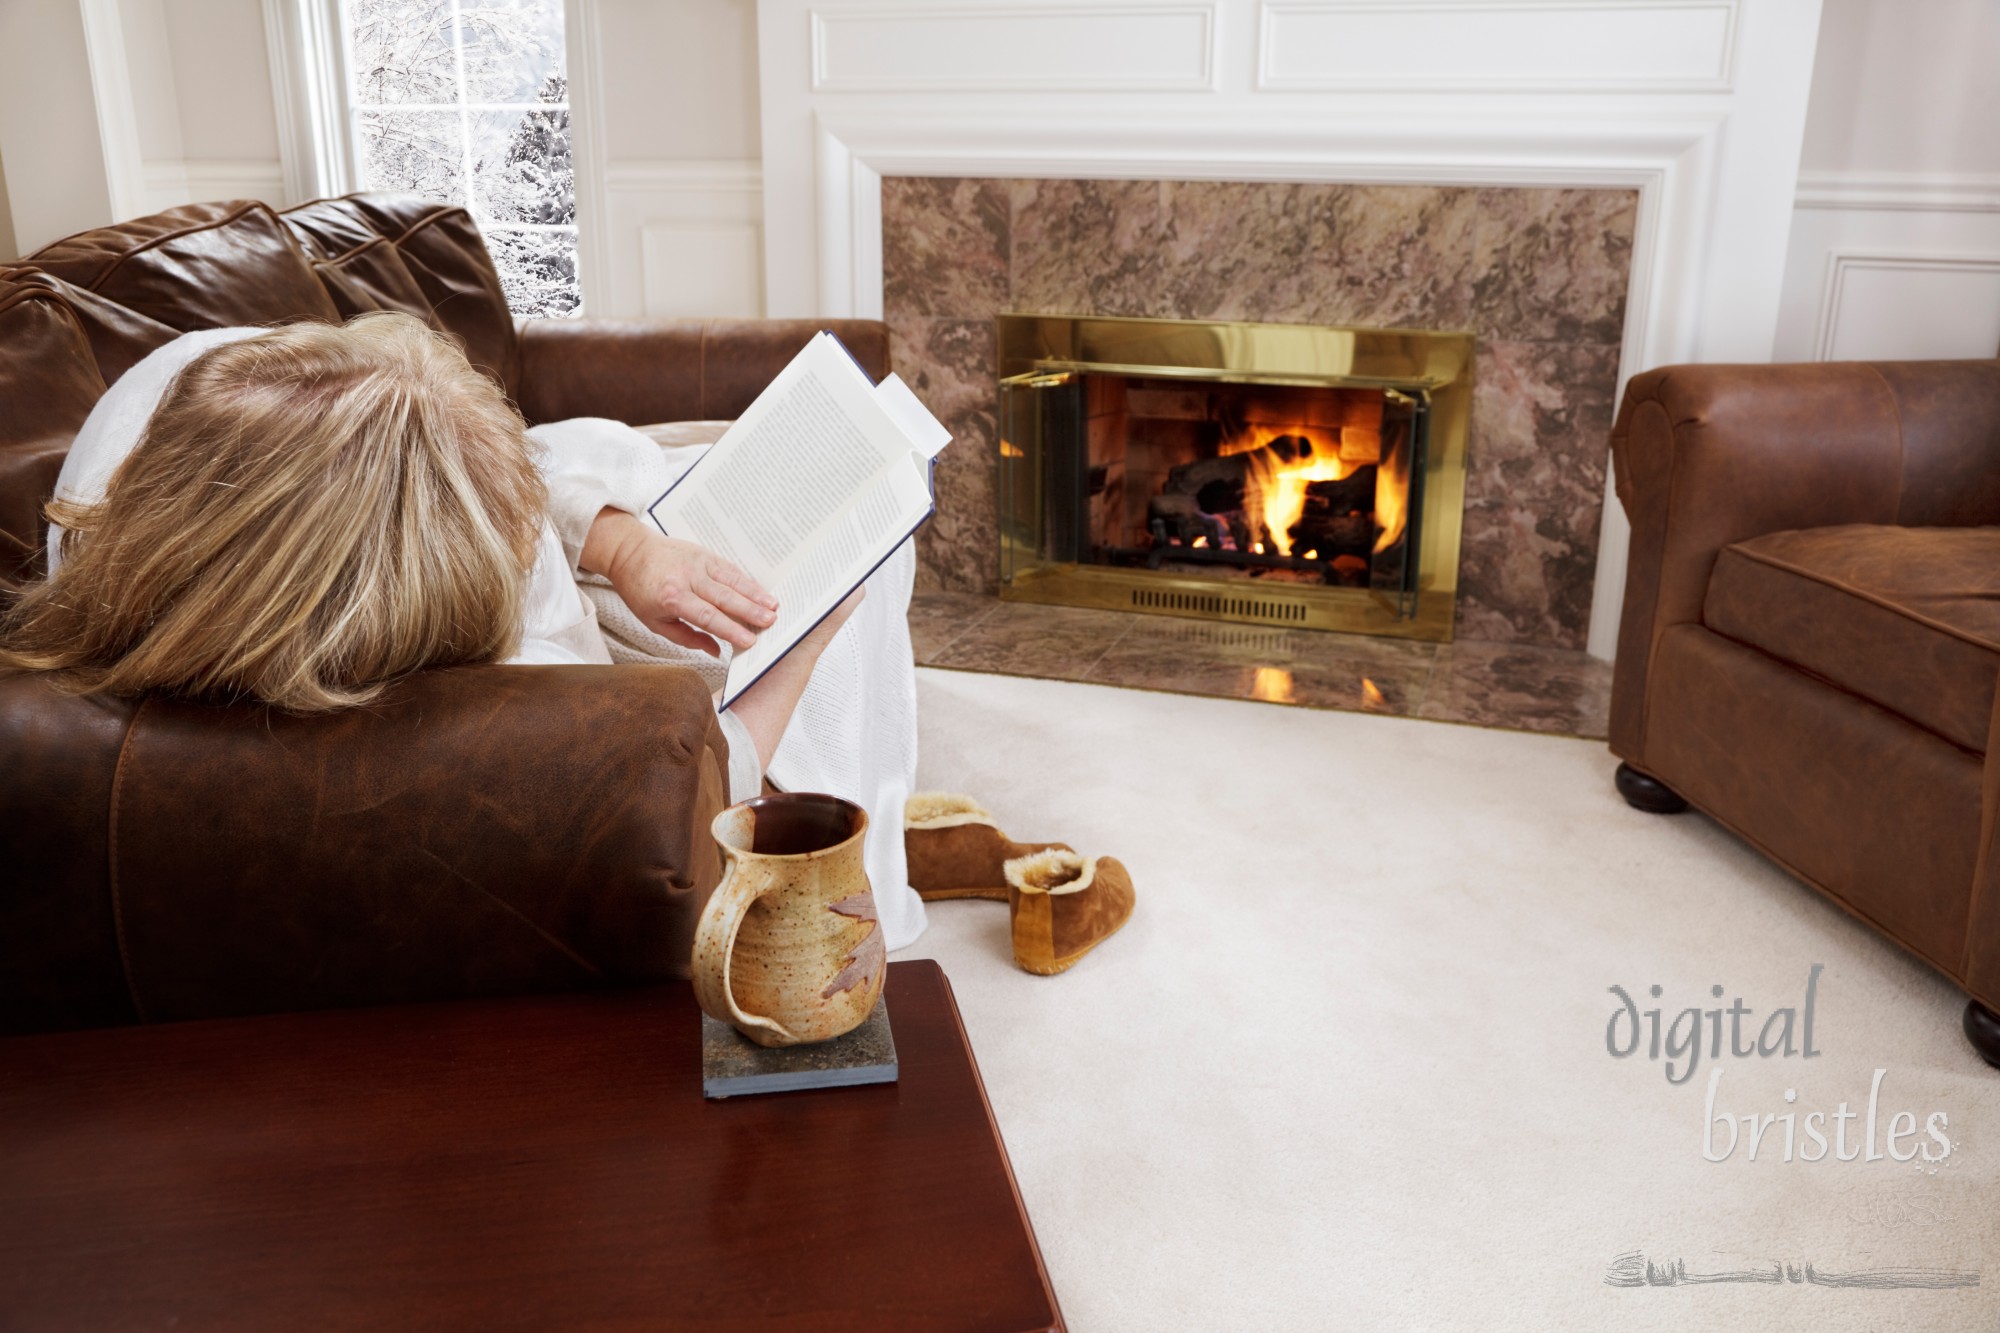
1811, 635
482, 831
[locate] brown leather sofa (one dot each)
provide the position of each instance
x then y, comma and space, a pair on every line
482, 831
1811, 635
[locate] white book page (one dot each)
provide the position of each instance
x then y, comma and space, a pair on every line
864, 535
812, 442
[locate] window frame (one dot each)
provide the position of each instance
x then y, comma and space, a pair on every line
307, 49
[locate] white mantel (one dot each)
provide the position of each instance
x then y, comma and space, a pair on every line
1697, 104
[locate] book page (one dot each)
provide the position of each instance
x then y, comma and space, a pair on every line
774, 481
864, 535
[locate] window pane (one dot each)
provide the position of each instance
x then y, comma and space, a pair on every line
401, 51
521, 166
537, 269
513, 49
418, 152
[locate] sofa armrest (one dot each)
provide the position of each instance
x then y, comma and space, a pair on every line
646, 371
479, 831
1707, 456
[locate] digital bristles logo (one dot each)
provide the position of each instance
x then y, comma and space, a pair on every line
1878, 1131
1874, 1130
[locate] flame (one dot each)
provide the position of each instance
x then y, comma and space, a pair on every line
1371, 693
1275, 490
1273, 685
1008, 449
1392, 495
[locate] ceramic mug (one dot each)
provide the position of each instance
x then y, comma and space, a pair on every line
788, 949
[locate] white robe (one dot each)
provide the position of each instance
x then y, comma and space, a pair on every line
854, 732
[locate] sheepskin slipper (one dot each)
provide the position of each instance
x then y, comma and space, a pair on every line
955, 849
1063, 906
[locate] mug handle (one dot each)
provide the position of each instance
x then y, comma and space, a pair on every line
715, 944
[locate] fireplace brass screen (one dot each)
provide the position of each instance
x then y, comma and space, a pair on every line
1066, 384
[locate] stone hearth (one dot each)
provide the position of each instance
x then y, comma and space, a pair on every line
1539, 275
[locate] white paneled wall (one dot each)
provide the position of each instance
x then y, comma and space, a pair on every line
1892, 269
665, 116
687, 239
1895, 244
205, 126
1014, 48
56, 178
1489, 46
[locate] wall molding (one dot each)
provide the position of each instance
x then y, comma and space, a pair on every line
584, 58
198, 180
684, 238
117, 115
966, 48
1468, 58
1843, 264
685, 176
1670, 161
1935, 192
308, 56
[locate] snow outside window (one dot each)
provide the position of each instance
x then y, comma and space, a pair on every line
467, 102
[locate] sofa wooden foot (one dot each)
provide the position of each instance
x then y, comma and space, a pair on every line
1982, 1029
1642, 791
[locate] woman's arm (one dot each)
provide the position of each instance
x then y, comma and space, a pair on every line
765, 709
681, 591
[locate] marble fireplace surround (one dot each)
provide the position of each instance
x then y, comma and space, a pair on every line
1696, 106
1539, 275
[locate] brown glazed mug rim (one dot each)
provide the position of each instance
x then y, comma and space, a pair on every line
755, 803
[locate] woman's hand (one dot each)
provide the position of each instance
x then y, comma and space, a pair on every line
680, 591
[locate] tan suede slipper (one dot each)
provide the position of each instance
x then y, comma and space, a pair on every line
955, 850
1063, 906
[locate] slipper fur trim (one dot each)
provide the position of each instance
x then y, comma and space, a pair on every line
943, 809
1054, 872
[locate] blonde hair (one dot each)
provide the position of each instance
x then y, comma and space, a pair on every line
311, 513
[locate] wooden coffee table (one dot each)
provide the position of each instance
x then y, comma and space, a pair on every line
529, 1163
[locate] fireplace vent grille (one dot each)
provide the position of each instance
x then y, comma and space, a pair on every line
1263, 608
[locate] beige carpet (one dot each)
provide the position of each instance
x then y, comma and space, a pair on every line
1347, 1068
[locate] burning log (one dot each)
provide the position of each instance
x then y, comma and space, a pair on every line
1176, 519
1216, 484
1338, 516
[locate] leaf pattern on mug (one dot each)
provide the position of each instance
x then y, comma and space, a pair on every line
868, 956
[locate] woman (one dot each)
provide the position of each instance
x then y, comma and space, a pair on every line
302, 515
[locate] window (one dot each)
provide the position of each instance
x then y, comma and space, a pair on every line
466, 102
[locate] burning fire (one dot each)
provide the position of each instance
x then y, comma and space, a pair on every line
1275, 488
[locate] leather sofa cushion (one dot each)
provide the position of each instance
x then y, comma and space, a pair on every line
201, 266
1907, 618
399, 252
119, 338
48, 379
48, 384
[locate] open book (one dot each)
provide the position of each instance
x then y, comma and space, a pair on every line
817, 483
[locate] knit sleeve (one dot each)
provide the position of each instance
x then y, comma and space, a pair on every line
592, 464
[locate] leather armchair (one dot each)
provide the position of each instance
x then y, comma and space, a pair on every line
1811, 635
484, 830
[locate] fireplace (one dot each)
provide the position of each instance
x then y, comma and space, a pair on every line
1268, 473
